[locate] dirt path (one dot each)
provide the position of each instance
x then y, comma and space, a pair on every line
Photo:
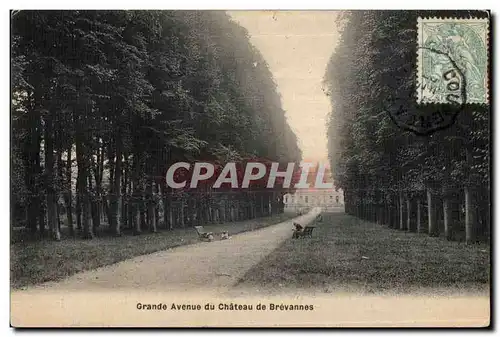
213, 266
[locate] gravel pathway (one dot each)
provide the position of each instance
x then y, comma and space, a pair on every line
206, 265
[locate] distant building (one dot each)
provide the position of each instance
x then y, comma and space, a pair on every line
304, 199
326, 198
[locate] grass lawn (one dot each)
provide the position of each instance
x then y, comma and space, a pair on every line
349, 254
41, 261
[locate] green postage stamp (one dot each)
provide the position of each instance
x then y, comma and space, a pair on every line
452, 60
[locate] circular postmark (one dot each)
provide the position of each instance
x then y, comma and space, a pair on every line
440, 79
442, 95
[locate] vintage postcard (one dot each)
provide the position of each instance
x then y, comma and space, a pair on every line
174, 168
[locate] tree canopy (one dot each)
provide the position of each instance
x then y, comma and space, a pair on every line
126, 94
383, 168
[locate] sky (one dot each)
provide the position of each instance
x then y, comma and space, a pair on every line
297, 46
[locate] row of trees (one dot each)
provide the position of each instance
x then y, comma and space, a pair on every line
438, 183
103, 102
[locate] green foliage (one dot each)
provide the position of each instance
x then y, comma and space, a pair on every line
140, 88
372, 67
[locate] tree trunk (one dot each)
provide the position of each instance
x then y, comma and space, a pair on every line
78, 205
419, 216
408, 214
96, 200
167, 207
60, 180
271, 203
380, 215
98, 182
181, 213
401, 211
262, 212
447, 216
387, 217
32, 163
115, 190
170, 217
135, 213
433, 226
49, 178
157, 215
93, 206
392, 213
470, 202
42, 220
150, 205
142, 215
105, 208
84, 194
222, 210
124, 196
206, 211
252, 206
68, 200
111, 152
58, 215
138, 200
83, 162
470, 216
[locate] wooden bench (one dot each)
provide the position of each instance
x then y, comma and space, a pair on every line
305, 233
203, 235
308, 231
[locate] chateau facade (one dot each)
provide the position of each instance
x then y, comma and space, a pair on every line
303, 199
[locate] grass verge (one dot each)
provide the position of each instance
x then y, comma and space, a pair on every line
346, 253
41, 261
